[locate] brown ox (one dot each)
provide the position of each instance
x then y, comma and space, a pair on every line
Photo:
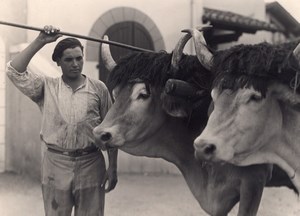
256, 108
145, 121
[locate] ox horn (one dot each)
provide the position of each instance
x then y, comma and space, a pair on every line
202, 52
178, 50
108, 60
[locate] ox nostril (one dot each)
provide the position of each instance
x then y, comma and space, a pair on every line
105, 136
209, 149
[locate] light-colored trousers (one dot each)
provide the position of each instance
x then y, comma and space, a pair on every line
69, 182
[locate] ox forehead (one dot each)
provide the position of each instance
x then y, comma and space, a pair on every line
254, 66
154, 69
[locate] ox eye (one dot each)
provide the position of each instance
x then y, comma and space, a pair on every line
143, 96
255, 98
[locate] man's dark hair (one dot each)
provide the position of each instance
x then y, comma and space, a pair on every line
64, 44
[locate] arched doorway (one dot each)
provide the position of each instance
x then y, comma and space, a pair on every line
127, 32
117, 16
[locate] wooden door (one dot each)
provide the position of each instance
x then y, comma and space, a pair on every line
130, 33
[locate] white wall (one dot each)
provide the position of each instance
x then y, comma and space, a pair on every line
77, 16
10, 11
2, 105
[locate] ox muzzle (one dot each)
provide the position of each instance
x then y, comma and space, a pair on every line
104, 138
213, 149
204, 150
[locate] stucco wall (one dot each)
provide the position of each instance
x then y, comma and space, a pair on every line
22, 145
171, 16
2, 105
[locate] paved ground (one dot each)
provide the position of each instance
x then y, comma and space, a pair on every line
137, 195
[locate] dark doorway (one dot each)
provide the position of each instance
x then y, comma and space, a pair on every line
130, 33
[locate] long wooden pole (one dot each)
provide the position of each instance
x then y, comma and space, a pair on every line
79, 36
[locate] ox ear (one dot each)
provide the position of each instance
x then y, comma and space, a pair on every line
175, 106
175, 110
286, 95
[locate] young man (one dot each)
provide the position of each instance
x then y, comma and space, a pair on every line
73, 169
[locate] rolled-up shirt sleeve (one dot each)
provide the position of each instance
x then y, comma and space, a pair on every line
30, 84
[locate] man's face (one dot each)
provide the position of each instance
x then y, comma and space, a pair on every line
71, 62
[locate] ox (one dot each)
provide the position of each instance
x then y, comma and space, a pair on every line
256, 108
145, 121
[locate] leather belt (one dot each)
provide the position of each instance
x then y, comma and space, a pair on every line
74, 153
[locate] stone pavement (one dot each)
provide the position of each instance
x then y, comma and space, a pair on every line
137, 195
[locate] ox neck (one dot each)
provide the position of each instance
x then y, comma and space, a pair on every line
178, 149
283, 148
176, 142
290, 139
173, 142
